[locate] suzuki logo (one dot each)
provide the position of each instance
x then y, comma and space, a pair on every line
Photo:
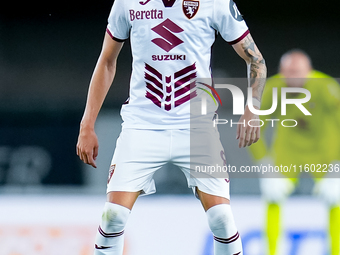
166, 30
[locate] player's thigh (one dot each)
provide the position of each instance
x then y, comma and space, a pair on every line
123, 198
209, 200
202, 149
199, 151
138, 155
142, 146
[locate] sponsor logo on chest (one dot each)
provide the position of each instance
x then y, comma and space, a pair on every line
168, 57
148, 14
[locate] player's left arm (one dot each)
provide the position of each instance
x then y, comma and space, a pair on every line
257, 73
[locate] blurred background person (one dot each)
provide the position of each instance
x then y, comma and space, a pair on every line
313, 144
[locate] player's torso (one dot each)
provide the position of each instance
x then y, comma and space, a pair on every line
171, 45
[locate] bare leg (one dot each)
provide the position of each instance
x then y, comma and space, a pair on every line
209, 201
126, 199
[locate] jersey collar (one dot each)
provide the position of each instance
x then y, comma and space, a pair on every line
168, 3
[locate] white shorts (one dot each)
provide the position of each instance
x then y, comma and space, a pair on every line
140, 153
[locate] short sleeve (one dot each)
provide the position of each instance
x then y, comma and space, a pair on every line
228, 21
118, 24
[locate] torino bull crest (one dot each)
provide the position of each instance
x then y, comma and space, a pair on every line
190, 8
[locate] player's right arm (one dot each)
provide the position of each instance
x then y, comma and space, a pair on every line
257, 73
259, 150
104, 72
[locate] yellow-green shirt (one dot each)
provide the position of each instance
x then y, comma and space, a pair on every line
315, 139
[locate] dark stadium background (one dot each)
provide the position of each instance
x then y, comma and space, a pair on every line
48, 51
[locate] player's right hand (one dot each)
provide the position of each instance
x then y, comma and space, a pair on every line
87, 146
247, 135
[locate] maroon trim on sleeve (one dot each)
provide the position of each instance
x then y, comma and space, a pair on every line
240, 38
114, 38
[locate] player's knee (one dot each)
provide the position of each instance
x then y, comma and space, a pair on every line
114, 217
221, 220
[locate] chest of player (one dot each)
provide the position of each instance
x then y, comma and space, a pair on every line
166, 26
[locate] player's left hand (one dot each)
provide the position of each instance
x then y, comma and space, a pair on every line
247, 135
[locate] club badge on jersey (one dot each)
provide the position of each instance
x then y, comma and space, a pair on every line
111, 171
190, 8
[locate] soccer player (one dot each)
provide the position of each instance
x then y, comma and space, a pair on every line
313, 141
171, 46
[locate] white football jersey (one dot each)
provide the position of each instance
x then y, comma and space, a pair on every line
171, 46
